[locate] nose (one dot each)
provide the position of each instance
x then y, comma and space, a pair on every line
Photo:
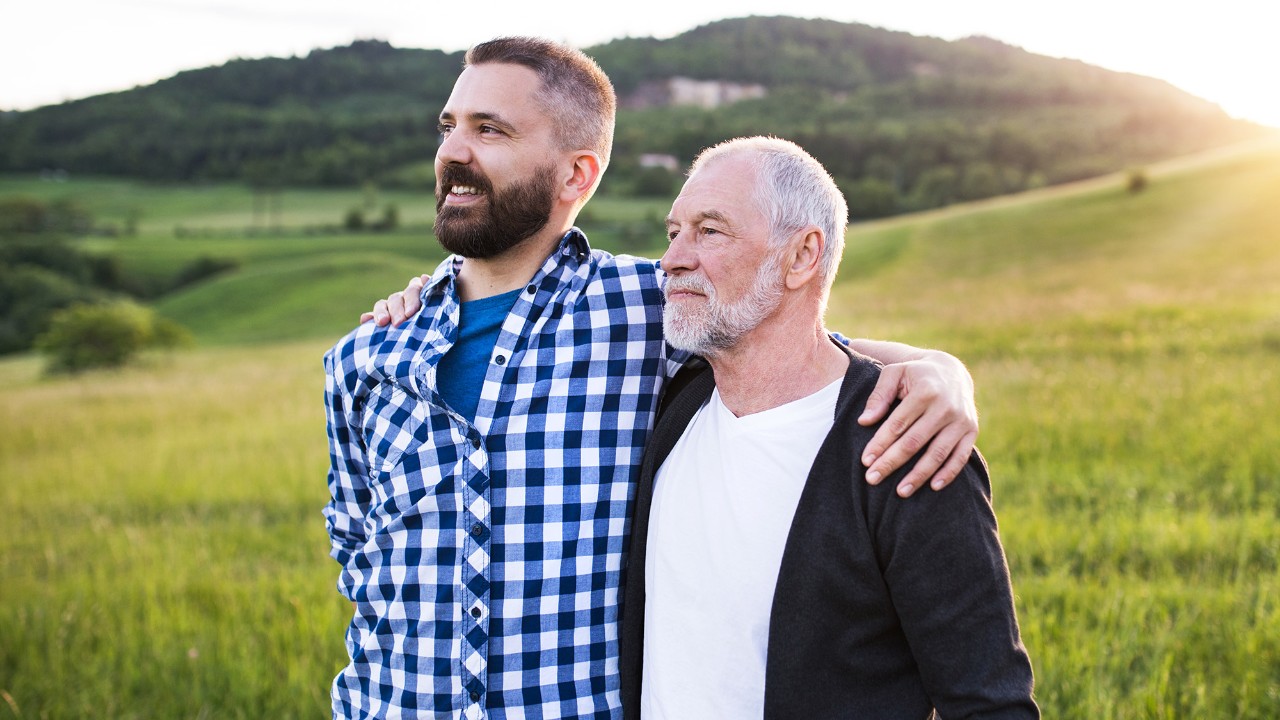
454, 148
679, 256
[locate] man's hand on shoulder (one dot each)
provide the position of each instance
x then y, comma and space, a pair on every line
399, 306
937, 414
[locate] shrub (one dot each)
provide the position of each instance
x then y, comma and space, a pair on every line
29, 297
83, 337
390, 218
1136, 181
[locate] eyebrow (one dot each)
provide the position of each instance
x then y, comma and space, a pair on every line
477, 117
705, 215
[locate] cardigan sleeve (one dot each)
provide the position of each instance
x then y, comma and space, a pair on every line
948, 580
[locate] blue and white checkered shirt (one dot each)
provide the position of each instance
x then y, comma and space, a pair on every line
485, 559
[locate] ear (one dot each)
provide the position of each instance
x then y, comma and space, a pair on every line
584, 174
805, 257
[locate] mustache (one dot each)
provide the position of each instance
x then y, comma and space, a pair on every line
452, 175
695, 283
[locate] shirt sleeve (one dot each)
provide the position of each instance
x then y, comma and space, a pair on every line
949, 582
349, 495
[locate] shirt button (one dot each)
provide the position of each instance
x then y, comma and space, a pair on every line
531, 289
477, 529
475, 443
475, 696
501, 359
475, 612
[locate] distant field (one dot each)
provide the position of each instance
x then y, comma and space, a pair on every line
161, 207
290, 284
163, 553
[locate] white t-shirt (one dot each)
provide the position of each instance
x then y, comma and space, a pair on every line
723, 503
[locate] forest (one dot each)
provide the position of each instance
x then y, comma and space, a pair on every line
903, 122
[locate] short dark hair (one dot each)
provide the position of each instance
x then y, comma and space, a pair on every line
574, 88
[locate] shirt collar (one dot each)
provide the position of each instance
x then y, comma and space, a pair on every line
572, 247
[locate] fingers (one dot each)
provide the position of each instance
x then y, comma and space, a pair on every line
399, 306
893, 445
404, 304
379, 314
940, 463
901, 436
959, 458
881, 399
395, 307
944, 431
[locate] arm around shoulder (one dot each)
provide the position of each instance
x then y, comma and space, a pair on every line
934, 415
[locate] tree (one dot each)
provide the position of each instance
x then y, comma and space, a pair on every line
870, 198
83, 336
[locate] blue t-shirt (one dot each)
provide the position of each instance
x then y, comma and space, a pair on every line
460, 374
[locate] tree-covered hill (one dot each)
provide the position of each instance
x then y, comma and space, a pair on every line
904, 122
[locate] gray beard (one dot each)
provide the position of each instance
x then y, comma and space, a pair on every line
718, 326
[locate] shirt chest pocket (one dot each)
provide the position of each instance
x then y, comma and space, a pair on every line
394, 422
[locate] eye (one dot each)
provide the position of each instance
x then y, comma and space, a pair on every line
489, 130
444, 129
709, 231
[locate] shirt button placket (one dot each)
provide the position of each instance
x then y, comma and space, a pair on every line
475, 580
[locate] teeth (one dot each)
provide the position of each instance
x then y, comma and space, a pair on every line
465, 190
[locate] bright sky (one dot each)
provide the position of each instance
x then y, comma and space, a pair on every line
1227, 51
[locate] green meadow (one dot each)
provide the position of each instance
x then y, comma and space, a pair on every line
162, 553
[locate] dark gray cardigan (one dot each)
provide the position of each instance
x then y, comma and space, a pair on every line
885, 607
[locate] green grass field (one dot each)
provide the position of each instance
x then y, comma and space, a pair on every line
163, 556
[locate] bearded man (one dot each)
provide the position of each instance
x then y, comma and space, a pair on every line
483, 456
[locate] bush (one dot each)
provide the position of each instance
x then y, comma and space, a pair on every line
29, 296
83, 337
390, 219
32, 216
1137, 181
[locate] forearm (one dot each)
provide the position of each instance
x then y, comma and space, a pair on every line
887, 352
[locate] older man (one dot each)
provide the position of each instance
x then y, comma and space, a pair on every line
483, 456
765, 578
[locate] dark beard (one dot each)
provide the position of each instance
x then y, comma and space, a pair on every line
513, 215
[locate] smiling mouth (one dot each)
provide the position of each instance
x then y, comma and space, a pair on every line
464, 191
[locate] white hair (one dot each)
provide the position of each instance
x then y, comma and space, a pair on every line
793, 190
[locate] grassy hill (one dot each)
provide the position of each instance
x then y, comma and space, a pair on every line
163, 552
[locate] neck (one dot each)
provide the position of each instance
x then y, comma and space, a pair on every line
512, 269
784, 359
